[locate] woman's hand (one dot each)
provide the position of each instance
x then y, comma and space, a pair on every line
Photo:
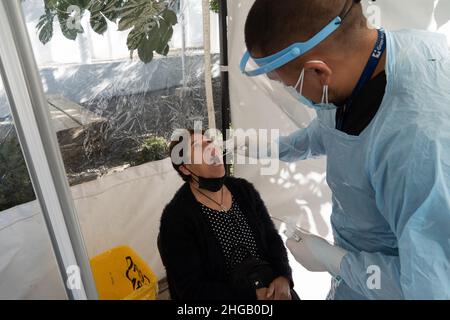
279, 289
261, 294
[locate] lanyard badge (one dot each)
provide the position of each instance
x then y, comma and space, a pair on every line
371, 65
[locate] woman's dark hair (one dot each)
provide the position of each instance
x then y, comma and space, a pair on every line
172, 145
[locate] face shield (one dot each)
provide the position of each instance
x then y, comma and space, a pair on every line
271, 63
276, 92
272, 84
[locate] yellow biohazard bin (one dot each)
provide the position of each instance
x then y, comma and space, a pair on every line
120, 273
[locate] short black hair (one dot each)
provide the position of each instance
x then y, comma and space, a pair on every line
273, 25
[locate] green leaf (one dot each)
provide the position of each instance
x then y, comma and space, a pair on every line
214, 6
145, 50
151, 22
96, 7
148, 44
152, 38
164, 51
134, 38
127, 11
111, 9
169, 16
126, 23
83, 3
166, 36
45, 27
50, 4
46, 33
70, 25
98, 23
68, 31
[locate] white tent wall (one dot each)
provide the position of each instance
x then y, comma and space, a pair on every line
28, 268
300, 190
123, 208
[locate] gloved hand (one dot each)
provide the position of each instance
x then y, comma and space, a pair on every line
313, 252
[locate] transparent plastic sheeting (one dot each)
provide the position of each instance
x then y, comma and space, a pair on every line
111, 112
28, 267
300, 190
113, 117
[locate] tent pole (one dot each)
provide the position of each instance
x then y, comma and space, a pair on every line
183, 42
225, 96
38, 141
207, 62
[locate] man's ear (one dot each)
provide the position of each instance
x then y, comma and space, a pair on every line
321, 69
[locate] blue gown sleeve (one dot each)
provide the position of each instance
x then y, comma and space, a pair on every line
411, 180
302, 144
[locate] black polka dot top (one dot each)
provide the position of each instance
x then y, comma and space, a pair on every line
233, 233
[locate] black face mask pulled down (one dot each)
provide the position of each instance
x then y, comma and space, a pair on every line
210, 184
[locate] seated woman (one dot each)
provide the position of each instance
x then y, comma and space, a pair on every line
217, 240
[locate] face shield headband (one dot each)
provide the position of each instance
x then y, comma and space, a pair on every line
279, 59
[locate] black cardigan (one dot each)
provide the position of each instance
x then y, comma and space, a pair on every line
192, 256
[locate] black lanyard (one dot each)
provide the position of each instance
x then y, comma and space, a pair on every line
375, 57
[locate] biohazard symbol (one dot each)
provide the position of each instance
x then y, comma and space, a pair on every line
135, 275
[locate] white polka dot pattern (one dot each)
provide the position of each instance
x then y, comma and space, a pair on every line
232, 230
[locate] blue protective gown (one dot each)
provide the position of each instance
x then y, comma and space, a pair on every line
391, 184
